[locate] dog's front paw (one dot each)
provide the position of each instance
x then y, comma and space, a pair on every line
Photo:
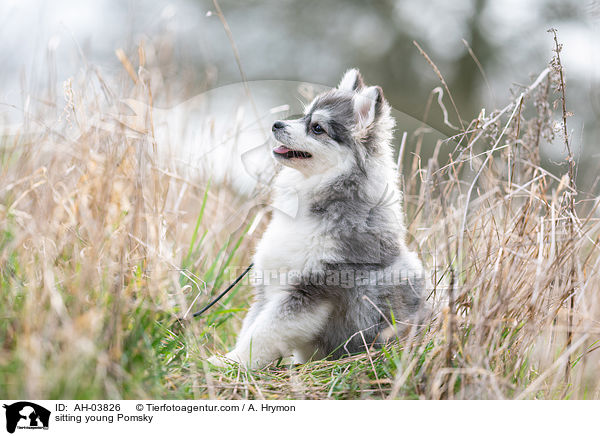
234, 356
227, 360
218, 361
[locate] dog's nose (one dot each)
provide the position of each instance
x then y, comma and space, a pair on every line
277, 125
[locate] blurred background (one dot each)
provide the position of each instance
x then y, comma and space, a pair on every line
45, 43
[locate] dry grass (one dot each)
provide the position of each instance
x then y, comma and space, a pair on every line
103, 245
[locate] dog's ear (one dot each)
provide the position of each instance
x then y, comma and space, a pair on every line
367, 105
352, 81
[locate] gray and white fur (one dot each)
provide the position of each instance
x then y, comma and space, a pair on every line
337, 226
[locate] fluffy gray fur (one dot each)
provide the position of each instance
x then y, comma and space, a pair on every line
355, 209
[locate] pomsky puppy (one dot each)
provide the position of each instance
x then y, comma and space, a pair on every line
335, 275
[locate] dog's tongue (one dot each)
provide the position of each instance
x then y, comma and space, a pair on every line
281, 150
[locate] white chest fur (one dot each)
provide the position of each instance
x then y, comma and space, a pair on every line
296, 241
294, 244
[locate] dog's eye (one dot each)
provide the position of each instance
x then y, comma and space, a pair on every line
317, 129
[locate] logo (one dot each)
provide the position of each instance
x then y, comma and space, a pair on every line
26, 415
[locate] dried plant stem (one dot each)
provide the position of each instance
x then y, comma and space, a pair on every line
515, 106
439, 74
570, 195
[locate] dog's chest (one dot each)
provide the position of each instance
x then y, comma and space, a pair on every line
300, 244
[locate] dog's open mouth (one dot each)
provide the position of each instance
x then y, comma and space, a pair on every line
287, 153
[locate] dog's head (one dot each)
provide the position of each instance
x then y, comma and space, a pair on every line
339, 128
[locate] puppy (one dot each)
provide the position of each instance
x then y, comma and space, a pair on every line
332, 270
